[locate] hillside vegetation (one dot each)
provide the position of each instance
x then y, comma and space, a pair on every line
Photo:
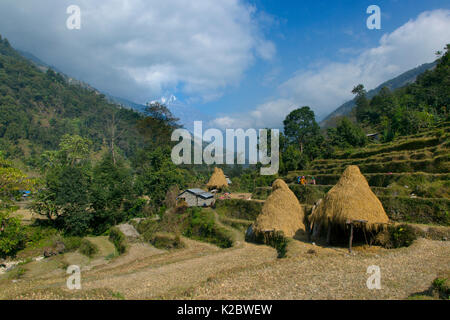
37, 108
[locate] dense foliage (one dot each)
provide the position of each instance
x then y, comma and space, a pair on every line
38, 108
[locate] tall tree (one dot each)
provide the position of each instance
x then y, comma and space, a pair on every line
301, 128
362, 103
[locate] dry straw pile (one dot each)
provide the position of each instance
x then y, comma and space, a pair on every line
350, 199
281, 212
217, 180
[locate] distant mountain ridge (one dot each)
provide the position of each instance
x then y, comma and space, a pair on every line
187, 114
39, 106
397, 82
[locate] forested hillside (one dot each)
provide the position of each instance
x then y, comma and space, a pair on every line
409, 109
398, 82
37, 108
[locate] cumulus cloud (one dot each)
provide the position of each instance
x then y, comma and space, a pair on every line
141, 48
326, 86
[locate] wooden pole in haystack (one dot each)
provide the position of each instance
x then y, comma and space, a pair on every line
329, 233
351, 223
351, 238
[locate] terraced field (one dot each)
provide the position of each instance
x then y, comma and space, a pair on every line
202, 270
411, 176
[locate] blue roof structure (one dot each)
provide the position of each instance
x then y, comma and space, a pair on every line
201, 193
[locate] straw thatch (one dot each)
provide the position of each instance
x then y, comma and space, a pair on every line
350, 199
281, 212
217, 180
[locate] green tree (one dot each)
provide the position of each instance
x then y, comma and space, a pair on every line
65, 195
347, 134
301, 128
12, 180
74, 148
156, 173
112, 193
362, 103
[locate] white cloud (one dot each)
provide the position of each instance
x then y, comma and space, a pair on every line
267, 115
141, 48
326, 86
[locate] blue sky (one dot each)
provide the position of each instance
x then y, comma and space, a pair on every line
232, 63
310, 32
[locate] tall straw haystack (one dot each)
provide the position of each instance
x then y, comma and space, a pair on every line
281, 212
350, 199
217, 180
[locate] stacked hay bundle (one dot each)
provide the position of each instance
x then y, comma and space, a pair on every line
351, 199
217, 180
281, 212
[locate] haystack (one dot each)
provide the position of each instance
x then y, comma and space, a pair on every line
349, 200
281, 212
217, 180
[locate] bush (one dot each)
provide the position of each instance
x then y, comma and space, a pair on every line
118, 239
88, 248
275, 239
397, 236
202, 226
402, 235
75, 222
72, 243
166, 241
442, 286
239, 209
12, 238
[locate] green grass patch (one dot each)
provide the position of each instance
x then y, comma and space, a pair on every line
239, 209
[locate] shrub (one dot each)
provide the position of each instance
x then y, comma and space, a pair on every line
166, 241
397, 236
442, 286
118, 239
402, 235
239, 209
201, 226
72, 243
88, 248
12, 238
275, 239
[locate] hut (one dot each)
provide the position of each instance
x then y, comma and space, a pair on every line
196, 198
281, 212
350, 202
217, 180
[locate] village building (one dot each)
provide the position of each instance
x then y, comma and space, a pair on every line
196, 198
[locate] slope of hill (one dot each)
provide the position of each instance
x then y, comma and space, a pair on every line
398, 82
38, 106
410, 175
